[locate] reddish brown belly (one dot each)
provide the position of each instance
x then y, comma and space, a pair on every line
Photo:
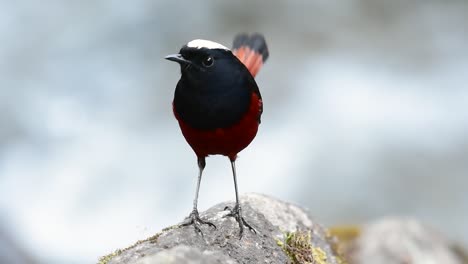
224, 141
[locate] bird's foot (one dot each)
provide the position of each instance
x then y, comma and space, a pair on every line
195, 220
236, 212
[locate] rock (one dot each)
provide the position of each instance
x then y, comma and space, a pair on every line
188, 255
285, 232
401, 241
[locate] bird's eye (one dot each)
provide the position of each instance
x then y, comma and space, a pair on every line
208, 62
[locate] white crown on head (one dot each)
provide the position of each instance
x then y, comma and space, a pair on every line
208, 44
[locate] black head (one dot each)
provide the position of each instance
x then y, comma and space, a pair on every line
215, 87
205, 62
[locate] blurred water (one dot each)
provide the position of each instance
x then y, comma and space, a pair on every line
365, 116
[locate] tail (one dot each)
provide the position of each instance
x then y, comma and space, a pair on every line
251, 50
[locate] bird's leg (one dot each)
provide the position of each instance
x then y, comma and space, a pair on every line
194, 218
236, 212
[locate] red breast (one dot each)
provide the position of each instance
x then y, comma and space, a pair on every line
225, 141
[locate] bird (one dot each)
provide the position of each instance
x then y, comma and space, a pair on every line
218, 105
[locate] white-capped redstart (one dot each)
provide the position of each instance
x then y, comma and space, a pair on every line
218, 104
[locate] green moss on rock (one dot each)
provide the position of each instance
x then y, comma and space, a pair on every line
298, 247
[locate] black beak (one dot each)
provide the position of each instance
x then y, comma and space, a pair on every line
177, 58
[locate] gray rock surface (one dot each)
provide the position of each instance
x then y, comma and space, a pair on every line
270, 217
188, 255
401, 241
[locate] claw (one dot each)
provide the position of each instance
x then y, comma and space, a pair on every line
236, 212
195, 220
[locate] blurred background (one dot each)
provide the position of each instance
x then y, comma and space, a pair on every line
365, 116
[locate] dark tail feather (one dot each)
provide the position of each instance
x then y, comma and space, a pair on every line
251, 50
255, 42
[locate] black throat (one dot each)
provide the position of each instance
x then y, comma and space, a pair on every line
214, 97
